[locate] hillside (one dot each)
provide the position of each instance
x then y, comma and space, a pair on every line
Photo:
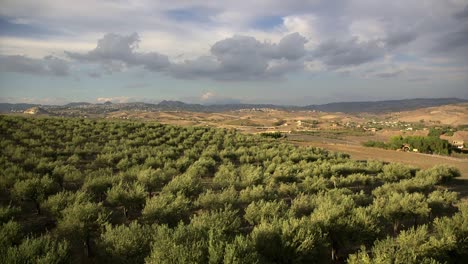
36, 110
384, 106
20, 107
454, 115
344, 107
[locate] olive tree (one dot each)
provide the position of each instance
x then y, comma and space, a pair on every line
166, 208
126, 244
127, 195
35, 190
43, 250
81, 221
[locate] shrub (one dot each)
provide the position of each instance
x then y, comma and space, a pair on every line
166, 208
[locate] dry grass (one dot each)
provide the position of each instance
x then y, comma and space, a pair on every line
454, 115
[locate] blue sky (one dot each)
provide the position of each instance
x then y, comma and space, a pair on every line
284, 52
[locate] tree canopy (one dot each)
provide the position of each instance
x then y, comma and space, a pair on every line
98, 191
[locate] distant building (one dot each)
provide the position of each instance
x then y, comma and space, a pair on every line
458, 144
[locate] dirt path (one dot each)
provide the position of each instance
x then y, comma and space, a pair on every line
416, 159
423, 161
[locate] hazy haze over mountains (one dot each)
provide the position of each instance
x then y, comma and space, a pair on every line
345, 107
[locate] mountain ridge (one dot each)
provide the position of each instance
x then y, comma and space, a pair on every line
168, 105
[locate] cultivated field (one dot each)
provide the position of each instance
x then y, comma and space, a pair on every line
332, 131
97, 191
419, 160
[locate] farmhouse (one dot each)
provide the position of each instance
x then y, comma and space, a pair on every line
458, 143
457, 140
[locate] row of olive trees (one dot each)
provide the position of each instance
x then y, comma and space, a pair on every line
132, 192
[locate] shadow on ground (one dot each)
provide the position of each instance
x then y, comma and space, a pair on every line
460, 186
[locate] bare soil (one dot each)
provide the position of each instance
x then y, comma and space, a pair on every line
419, 160
416, 159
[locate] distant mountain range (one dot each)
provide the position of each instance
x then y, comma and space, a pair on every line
345, 107
385, 106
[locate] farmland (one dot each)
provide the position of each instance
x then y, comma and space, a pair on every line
97, 191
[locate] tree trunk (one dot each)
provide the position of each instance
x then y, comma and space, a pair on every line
38, 207
333, 251
125, 211
88, 247
396, 226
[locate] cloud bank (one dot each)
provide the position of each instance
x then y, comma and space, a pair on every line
49, 65
183, 48
235, 58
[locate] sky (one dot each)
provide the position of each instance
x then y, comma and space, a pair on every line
295, 52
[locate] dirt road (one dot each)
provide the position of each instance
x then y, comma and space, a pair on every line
416, 159
419, 160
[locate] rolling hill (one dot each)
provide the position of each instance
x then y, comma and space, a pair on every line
344, 107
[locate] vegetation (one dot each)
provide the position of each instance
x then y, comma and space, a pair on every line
280, 122
463, 127
335, 134
243, 122
437, 132
429, 144
95, 191
375, 144
275, 135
